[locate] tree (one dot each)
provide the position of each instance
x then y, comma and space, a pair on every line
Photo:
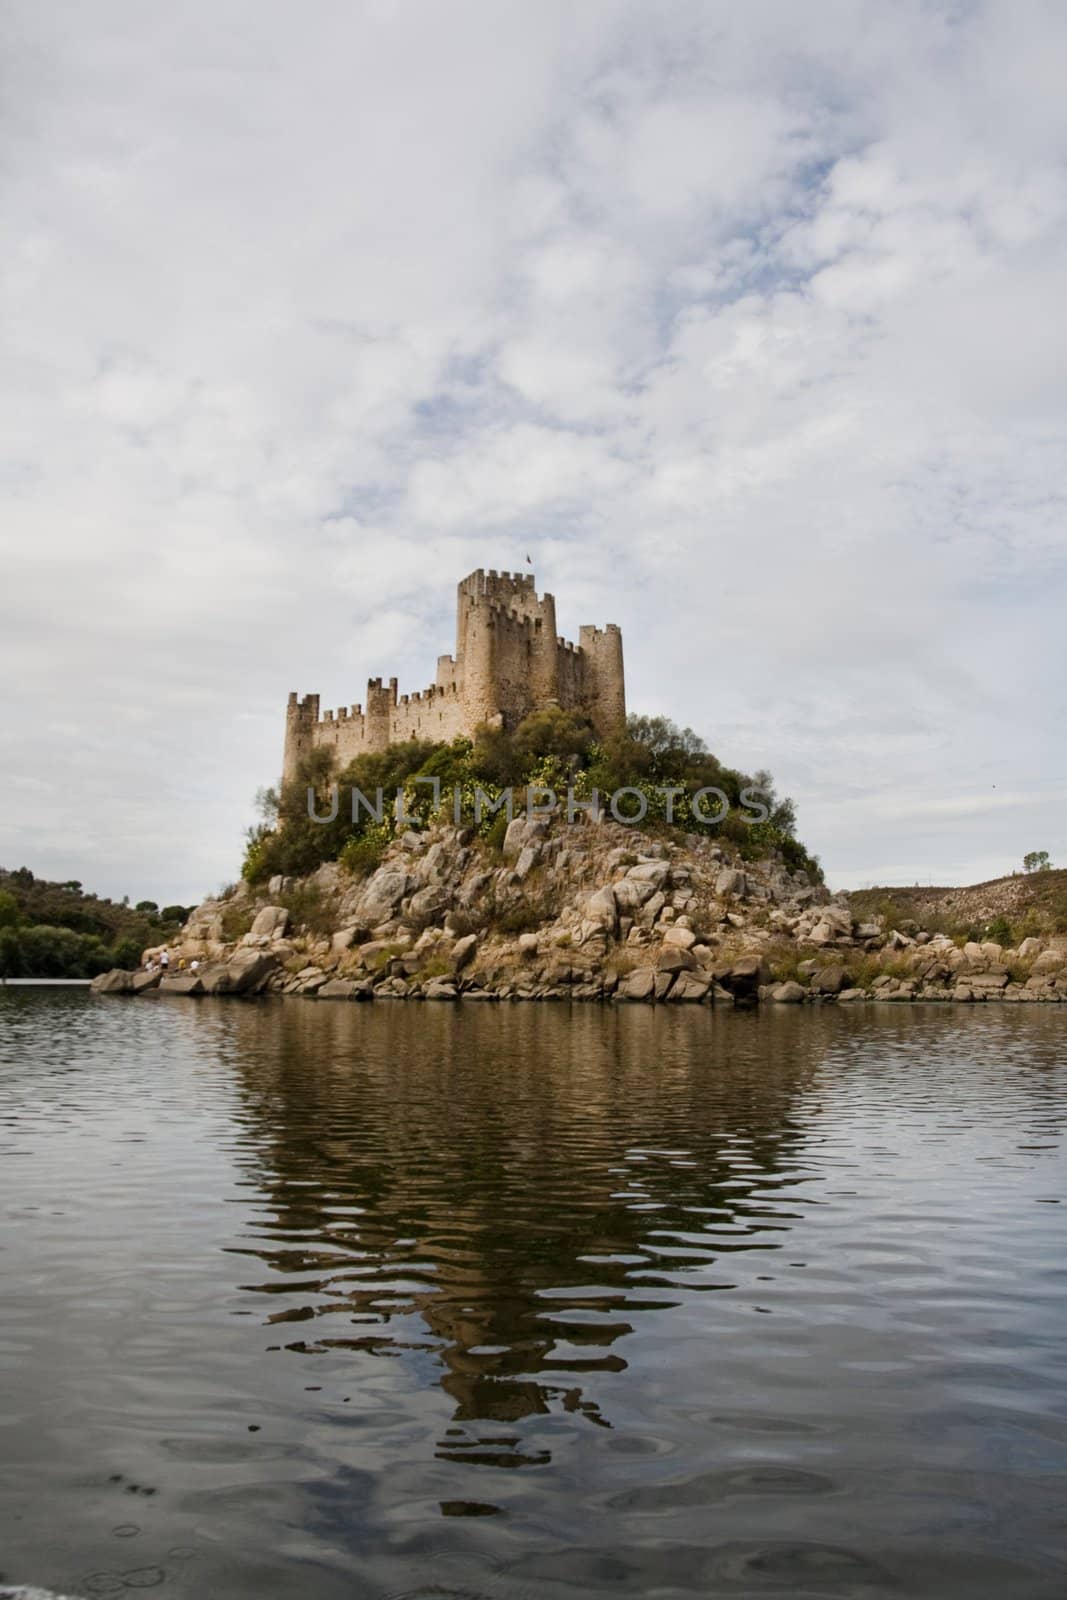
9, 910
146, 905
1037, 861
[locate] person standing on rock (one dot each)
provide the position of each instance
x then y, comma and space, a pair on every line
164, 961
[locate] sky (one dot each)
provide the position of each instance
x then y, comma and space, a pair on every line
745, 322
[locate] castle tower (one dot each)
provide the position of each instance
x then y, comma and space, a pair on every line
301, 717
377, 721
605, 683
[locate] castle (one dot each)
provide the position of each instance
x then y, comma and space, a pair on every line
509, 661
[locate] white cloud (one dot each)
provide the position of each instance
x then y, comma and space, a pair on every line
745, 321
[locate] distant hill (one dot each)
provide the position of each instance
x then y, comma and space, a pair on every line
57, 930
1024, 903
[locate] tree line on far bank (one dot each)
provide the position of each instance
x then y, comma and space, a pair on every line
56, 930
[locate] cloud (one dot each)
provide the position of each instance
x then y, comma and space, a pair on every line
745, 321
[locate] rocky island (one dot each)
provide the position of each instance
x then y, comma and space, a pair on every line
538, 843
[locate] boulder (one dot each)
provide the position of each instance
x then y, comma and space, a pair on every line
689, 988
440, 989
270, 923
631, 893
142, 981
337, 989
654, 872
601, 909
637, 985
182, 983
527, 860
114, 982
829, 980
428, 903
788, 994
744, 977
522, 832
684, 938
242, 973
671, 959
731, 881
382, 894
463, 951
1051, 961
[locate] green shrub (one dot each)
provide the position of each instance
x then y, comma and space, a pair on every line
363, 852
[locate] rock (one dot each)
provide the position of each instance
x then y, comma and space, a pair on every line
270, 923
689, 988
463, 951
602, 910
663, 985
674, 960
440, 989
337, 989
373, 953
526, 861
142, 981
1030, 947
744, 977
114, 982
631, 893
637, 985
428, 903
731, 882
829, 980
528, 944
522, 832
684, 938
343, 940
1051, 961
382, 894
654, 872
988, 981
181, 983
788, 994
973, 953
242, 973
652, 909
851, 994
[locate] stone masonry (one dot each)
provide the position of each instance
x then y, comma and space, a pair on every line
509, 661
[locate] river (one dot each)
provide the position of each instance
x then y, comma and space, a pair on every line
309, 1301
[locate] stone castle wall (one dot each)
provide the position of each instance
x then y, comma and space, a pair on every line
509, 661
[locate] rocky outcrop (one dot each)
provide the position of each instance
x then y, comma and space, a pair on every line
586, 911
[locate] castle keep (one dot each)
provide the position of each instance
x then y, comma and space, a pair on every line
509, 661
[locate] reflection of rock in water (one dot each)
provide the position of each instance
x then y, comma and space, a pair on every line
33, 1594
509, 1190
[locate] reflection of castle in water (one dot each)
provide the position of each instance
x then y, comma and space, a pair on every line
512, 1190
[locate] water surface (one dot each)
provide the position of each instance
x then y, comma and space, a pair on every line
312, 1300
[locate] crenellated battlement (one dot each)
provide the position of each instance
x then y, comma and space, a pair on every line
509, 660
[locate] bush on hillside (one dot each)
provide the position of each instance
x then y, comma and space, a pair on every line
550, 749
